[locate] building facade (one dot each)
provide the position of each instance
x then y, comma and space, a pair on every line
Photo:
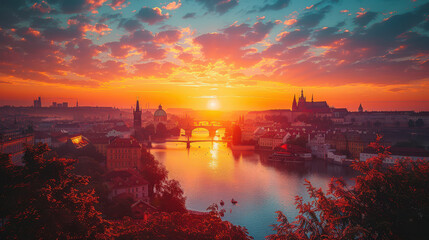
13, 143
124, 153
127, 183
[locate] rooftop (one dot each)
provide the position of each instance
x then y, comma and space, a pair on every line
124, 143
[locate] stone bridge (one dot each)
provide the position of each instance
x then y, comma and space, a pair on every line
212, 127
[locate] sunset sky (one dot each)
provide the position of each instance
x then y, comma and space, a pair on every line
208, 54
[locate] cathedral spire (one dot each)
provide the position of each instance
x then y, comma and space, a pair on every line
311, 97
302, 93
137, 105
360, 109
294, 106
137, 116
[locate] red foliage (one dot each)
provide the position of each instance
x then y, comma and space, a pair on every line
385, 203
179, 226
42, 200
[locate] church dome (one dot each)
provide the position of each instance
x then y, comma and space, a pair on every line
160, 112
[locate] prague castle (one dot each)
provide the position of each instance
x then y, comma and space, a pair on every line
309, 107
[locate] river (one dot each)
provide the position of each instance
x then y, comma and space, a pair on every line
210, 172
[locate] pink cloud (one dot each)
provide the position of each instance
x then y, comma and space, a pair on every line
153, 69
99, 28
172, 5
186, 57
117, 4
239, 38
290, 22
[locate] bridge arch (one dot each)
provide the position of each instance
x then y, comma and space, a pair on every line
200, 132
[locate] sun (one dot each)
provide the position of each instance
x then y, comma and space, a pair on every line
213, 104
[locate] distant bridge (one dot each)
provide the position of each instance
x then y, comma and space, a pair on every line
188, 141
210, 126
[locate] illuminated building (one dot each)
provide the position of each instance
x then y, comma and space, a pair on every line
309, 107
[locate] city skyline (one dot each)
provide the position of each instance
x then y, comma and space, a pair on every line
212, 104
229, 55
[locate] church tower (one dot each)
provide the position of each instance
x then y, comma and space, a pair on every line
301, 101
137, 116
294, 106
360, 109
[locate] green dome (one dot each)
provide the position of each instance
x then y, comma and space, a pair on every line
160, 112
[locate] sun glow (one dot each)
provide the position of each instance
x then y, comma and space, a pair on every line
213, 104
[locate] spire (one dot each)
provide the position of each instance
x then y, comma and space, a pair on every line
302, 93
137, 105
294, 106
311, 97
159, 107
360, 109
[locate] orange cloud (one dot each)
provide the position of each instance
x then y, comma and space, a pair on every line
172, 5
290, 22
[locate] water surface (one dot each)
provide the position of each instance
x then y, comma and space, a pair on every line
210, 172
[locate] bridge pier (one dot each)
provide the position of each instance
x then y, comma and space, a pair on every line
212, 133
188, 132
188, 145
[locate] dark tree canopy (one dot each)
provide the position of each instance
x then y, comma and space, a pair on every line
150, 130
42, 200
153, 171
170, 198
161, 131
180, 226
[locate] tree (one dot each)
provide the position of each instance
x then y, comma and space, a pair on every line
170, 198
161, 131
169, 195
174, 131
119, 207
153, 171
42, 200
180, 226
385, 203
150, 130
299, 141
